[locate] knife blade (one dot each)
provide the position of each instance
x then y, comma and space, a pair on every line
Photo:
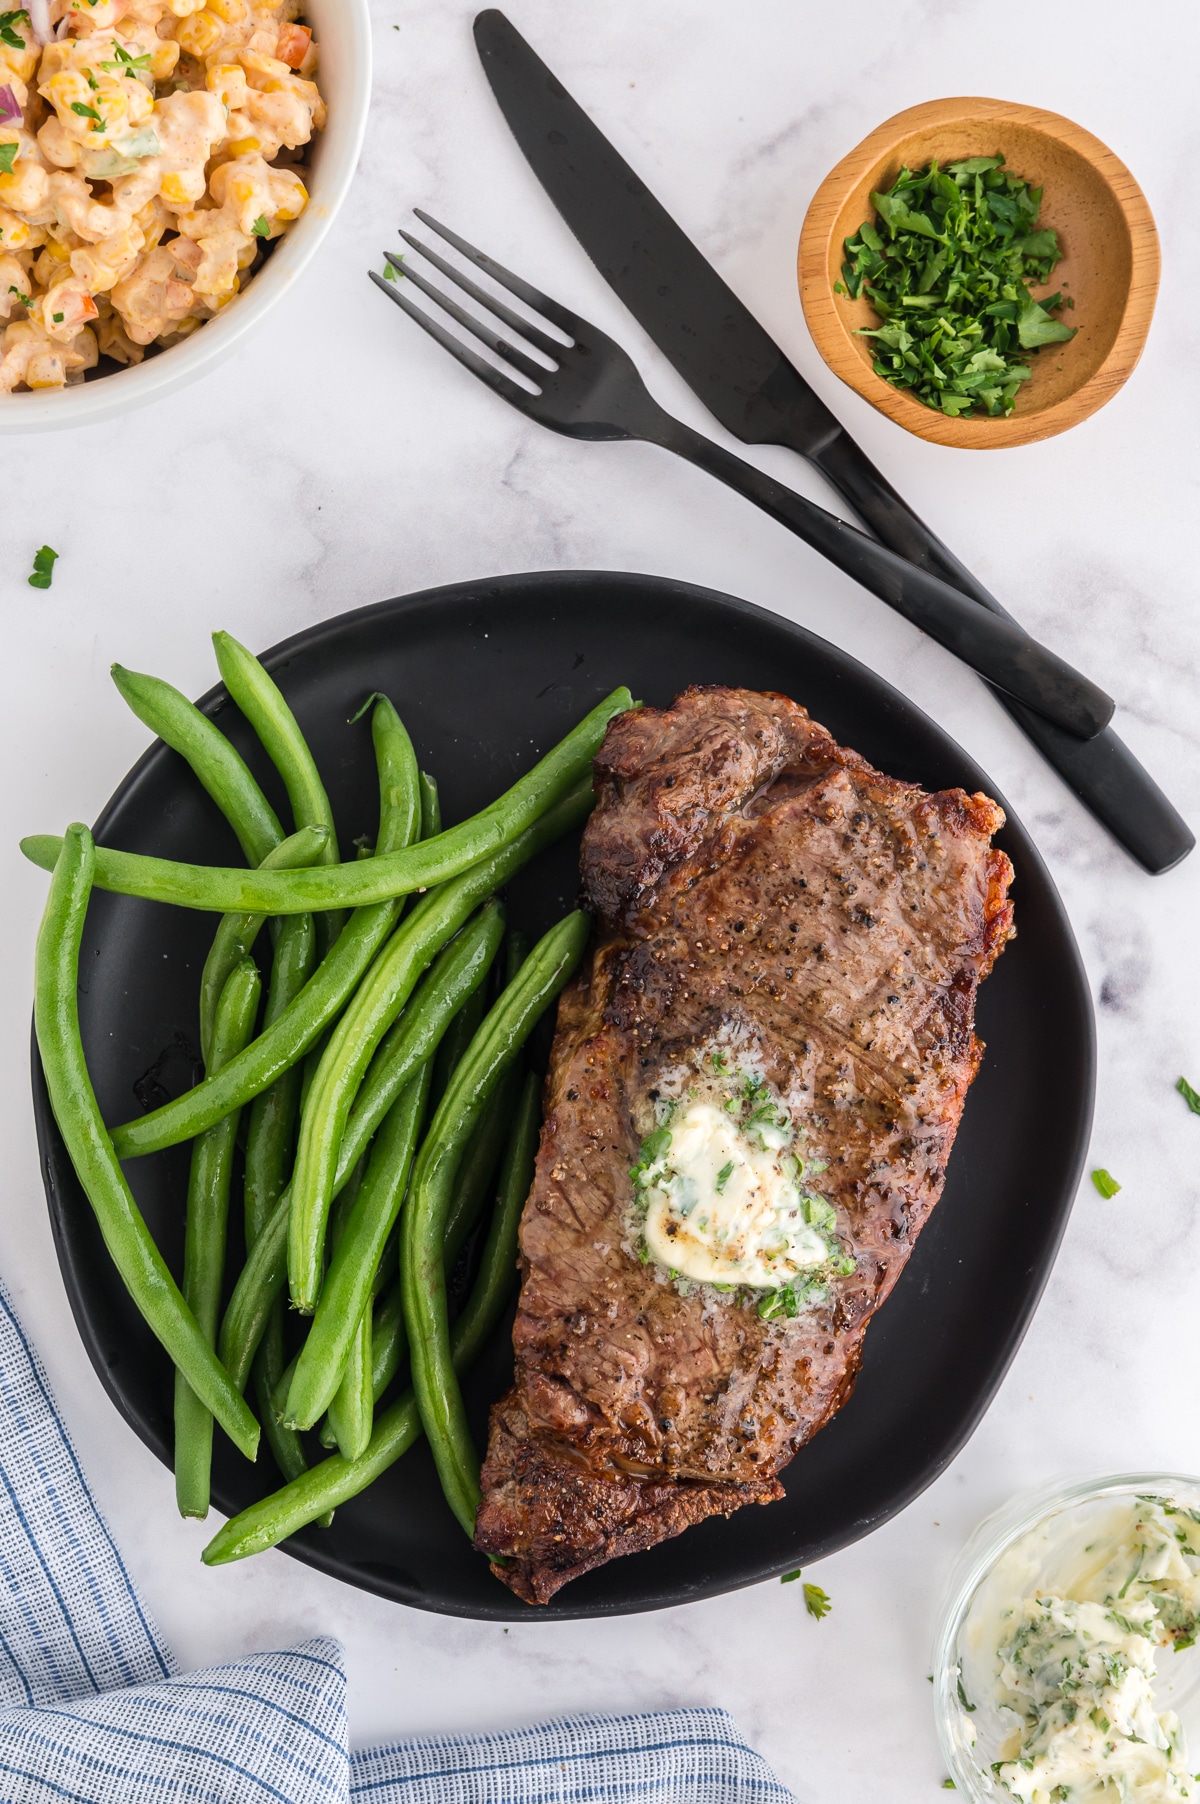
745, 380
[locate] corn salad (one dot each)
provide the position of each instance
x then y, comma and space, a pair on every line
147, 151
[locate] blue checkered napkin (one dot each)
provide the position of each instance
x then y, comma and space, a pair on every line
663, 1757
269, 1728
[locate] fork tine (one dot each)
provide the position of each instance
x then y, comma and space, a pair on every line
476, 328
560, 316
511, 391
513, 321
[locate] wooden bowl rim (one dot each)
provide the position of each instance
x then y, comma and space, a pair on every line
836, 345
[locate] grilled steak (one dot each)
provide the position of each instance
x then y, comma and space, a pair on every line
760, 889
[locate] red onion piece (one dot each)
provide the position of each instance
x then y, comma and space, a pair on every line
39, 19
10, 106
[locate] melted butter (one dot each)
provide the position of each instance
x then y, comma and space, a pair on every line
724, 1205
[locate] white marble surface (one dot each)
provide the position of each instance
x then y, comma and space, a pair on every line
340, 458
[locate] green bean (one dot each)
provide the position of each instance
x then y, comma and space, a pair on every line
383, 992
458, 973
222, 770
449, 854
260, 1282
306, 1017
457, 1038
273, 1112
133, 1252
268, 1143
389, 1340
345, 1294
335, 1480
287, 1450
478, 1168
461, 967
352, 1408
431, 807
236, 934
259, 699
431, 1197
204, 1241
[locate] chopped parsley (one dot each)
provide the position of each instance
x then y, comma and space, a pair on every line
392, 272
260, 228
816, 1602
1104, 1181
949, 1785
785, 1578
126, 64
23, 298
88, 112
1189, 1095
8, 34
649, 1153
946, 265
57, 318
8, 156
43, 568
723, 1177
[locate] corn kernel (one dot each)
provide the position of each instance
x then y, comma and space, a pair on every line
245, 147
60, 252
199, 34
163, 58
182, 8
228, 82
174, 190
294, 208
231, 11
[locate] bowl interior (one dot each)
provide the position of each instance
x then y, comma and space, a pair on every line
1097, 263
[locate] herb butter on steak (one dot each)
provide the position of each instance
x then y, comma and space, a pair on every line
765, 901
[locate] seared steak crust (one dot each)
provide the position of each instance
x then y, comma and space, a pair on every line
756, 883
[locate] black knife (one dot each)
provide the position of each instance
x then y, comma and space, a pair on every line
745, 380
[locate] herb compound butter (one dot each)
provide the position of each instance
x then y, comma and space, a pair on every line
1062, 1647
724, 1200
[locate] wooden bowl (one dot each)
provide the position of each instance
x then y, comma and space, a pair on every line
1109, 266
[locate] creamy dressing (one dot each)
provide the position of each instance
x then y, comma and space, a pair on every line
724, 1200
1060, 1652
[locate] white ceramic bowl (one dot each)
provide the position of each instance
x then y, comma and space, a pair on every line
970, 1742
343, 30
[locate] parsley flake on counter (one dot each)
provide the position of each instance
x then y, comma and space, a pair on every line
785, 1578
946, 265
391, 271
949, 1785
43, 568
816, 1602
1104, 1181
1189, 1095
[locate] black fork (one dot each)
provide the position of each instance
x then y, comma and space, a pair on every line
589, 388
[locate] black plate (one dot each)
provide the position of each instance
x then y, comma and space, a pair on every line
487, 676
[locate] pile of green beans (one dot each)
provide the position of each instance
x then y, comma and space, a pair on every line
364, 1077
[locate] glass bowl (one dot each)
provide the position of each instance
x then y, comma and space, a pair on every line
971, 1739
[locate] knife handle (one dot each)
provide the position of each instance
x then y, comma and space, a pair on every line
1103, 772
992, 644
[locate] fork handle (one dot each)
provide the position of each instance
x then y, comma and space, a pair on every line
992, 644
